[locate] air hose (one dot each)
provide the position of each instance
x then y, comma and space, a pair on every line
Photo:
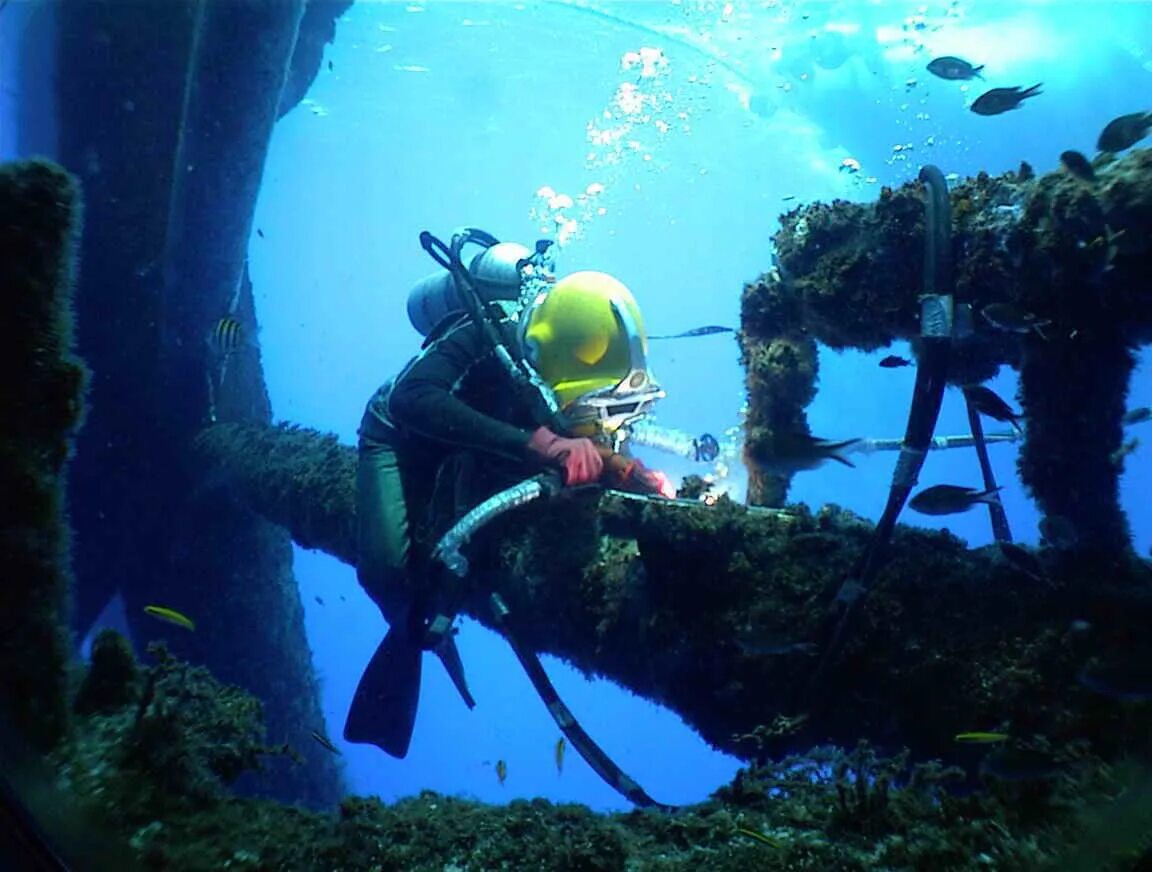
577, 736
937, 317
448, 552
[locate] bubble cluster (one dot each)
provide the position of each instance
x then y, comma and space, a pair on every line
623, 139
564, 215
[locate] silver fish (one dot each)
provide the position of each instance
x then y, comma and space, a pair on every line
710, 330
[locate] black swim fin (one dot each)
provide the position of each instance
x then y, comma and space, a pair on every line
383, 711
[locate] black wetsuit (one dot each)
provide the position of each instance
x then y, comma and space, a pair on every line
454, 400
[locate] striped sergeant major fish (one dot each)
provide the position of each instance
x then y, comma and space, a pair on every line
225, 336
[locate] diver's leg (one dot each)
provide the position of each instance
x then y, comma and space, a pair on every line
383, 710
383, 529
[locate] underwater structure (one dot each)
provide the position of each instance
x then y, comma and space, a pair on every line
719, 612
165, 118
710, 610
1064, 251
730, 615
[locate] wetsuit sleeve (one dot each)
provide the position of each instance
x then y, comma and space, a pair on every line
424, 403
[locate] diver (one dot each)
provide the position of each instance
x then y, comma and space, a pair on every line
518, 372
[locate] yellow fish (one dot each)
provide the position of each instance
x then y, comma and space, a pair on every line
760, 837
560, 755
501, 771
979, 738
171, 616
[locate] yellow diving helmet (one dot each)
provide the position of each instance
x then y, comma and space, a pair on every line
585, 337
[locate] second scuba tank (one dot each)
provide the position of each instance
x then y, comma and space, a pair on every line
495, 274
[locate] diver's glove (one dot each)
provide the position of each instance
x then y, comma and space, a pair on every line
629, 474
578, 458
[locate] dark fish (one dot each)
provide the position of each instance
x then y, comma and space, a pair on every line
771, 645
954, 69
950, 499
319, 601
787, 453
788, 198
1124, 132
710, 330
226, 336
1058, 532
325, 742
259, 232
1117, 457
330, 67
1078, 165
892, 361
987, 402
1012, 319
1128, 678
1137, 416
1000, 100
1022, 560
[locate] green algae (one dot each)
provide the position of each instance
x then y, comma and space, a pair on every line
41, 407
163, 791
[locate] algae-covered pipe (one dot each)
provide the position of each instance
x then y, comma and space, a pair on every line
715, 611
41, 406
1073, 390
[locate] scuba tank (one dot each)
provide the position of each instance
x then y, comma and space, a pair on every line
494, 273
497, 279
